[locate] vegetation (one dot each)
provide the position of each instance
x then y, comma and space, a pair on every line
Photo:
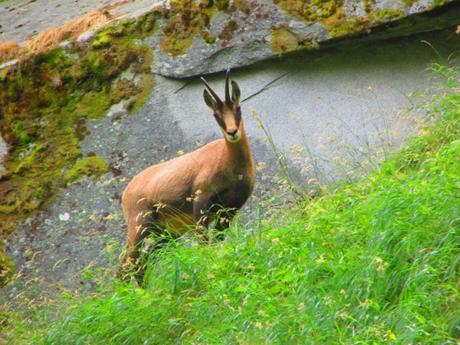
372, 262
50, 38
45, 101
332, 14
88, 166
284, 41
187, 19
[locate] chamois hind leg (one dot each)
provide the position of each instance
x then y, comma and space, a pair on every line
140, 225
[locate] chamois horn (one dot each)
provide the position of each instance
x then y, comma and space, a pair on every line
227, 89
213, 93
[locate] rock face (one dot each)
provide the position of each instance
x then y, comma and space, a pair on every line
334, 115
261, 30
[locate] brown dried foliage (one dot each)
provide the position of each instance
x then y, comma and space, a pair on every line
53, 36
9, 50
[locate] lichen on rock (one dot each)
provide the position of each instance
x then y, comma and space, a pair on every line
185, 20
341, 22
283, 41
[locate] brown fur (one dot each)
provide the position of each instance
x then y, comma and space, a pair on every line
191, 189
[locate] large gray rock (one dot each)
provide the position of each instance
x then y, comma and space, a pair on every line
335, 115
252, 38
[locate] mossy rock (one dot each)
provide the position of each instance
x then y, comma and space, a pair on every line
284, 41
93, 166
6, 268
45, 101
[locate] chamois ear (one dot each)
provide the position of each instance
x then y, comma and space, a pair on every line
235, 92
210, 102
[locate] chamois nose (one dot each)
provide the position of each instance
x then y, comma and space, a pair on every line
232, 133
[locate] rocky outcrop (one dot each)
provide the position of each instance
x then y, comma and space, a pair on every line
248, 31
207, 36
332, 114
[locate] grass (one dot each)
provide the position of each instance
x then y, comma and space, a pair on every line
372, 262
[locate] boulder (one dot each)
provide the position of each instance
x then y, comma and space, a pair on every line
248, 31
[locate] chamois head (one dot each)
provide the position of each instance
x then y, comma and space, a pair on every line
227, 113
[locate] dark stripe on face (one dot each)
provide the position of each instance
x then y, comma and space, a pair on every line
220, 121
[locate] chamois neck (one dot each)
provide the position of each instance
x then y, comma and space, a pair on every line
240, 151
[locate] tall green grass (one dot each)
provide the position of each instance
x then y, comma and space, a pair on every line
373, 262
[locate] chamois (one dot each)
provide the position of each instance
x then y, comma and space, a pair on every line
196, 188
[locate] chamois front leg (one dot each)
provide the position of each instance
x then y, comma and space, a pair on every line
201, 213
223, 219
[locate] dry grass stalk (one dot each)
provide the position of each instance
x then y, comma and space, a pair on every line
9, 50
70, 30
53, 36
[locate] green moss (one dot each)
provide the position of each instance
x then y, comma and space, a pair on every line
283, 41
339, 25
146, 84
222, 4
101, 41
311, 11
187, 20
332, 15
28, 161
409, 3
208, 38
438, 3
387, 15
6, 268
45, 101
89, 166
4, 73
